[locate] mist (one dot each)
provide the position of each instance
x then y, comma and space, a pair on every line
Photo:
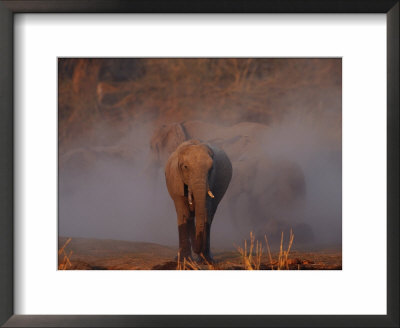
117, 199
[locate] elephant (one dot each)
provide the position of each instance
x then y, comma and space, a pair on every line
197, 177
265, 193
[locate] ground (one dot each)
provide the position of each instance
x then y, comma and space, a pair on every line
106, 254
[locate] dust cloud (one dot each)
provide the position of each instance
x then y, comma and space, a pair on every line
116, 198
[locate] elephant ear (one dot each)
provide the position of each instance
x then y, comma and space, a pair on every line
173, 176
221, 172
212, 151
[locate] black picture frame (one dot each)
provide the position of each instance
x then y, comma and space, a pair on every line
7, 11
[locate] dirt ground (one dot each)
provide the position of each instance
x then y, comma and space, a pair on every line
105, 254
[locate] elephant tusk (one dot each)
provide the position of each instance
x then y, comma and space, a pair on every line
190, 198
210, 194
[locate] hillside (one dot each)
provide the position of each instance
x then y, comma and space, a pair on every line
99, 93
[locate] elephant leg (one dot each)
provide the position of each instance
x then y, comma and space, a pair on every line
183, 215
184, 241
207, 252
206, 257
191, 229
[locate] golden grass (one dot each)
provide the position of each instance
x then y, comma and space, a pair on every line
186, 264
65, 263
251, 258
269, 252
189, 264
251, 262
251, 255
283, 255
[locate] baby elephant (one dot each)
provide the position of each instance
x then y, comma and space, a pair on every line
197, 177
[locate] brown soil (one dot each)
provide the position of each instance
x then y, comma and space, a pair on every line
104, 254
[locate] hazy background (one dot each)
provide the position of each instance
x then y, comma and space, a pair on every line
109, 108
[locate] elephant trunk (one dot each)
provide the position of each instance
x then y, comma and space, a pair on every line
199, 194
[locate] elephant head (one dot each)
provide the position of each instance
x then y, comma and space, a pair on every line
197, 176
165, 140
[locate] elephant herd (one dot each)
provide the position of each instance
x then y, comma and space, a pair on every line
205, 163
266, 193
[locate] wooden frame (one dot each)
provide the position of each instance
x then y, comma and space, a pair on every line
7, 10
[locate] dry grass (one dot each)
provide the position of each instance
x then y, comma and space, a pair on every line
186, 264
189, 264
251, 262
269, 252
251, 258
65, 263
282, 263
